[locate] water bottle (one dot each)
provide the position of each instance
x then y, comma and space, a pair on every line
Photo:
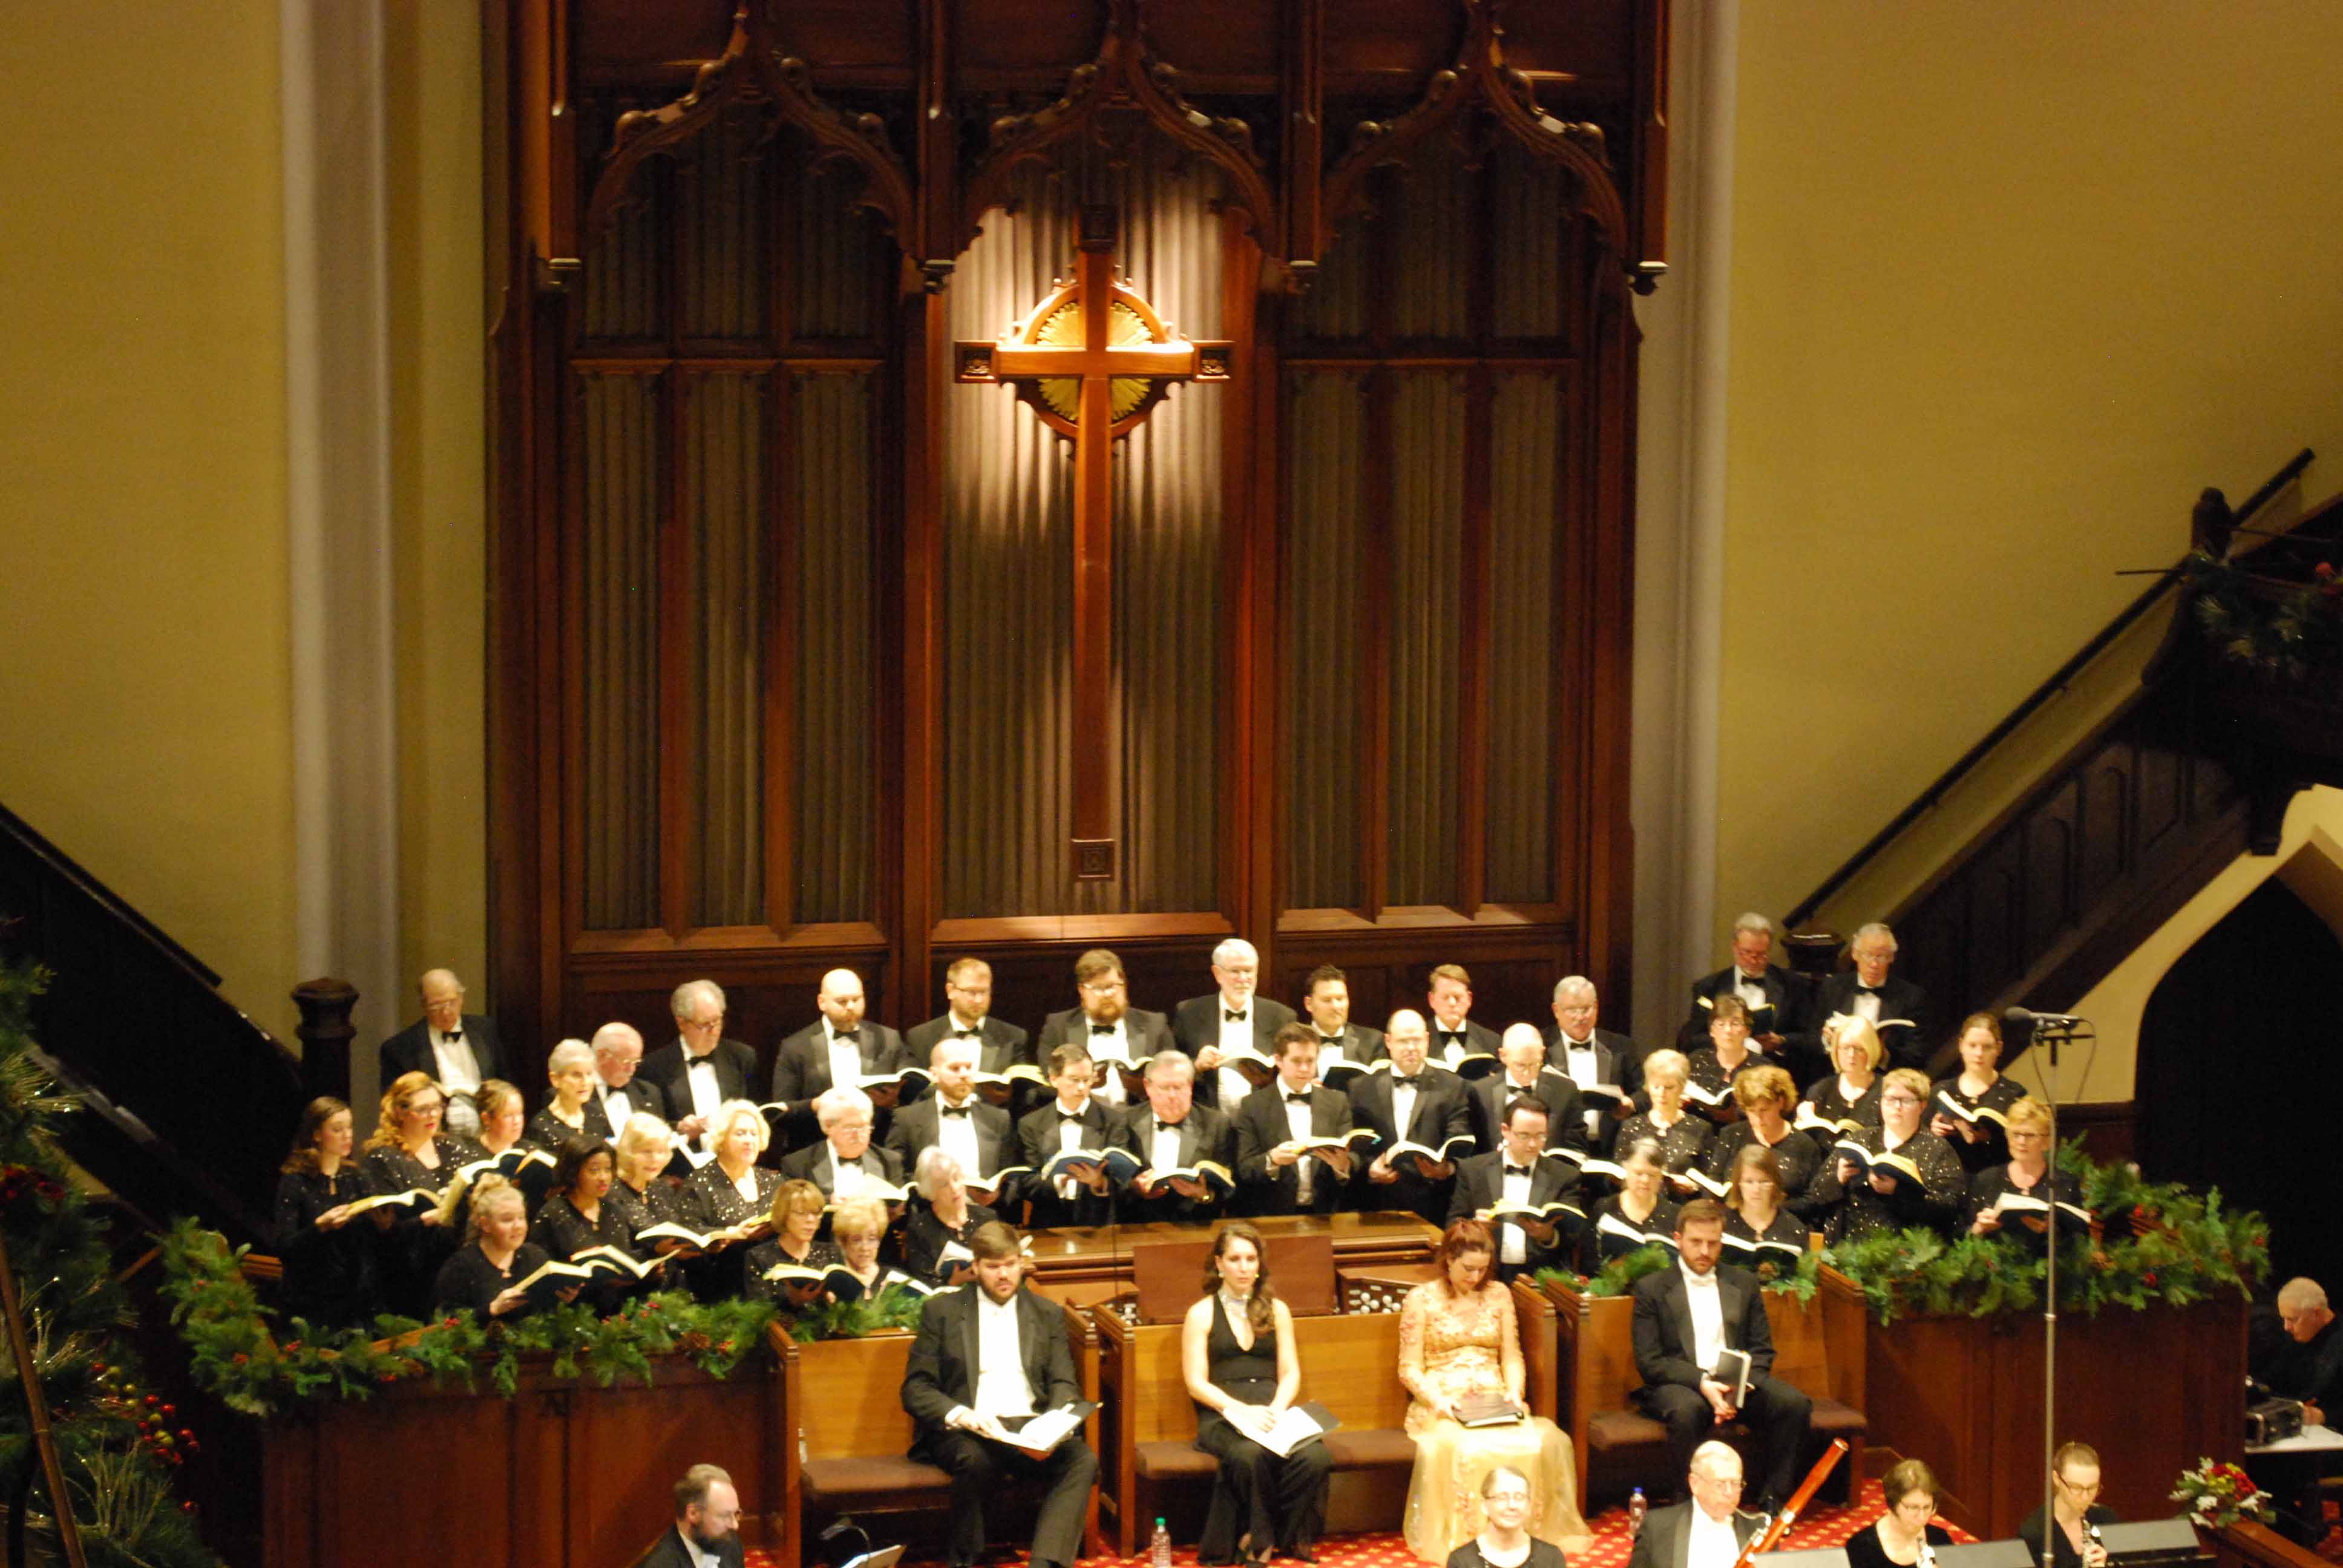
1637, 1509
1160, 1548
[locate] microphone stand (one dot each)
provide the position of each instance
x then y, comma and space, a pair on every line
2051, 1036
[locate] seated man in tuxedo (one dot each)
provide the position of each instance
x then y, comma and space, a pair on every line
988, 1357
1075, 1119
1415, 1101
839, 1048
1171, 1131
618, 1091
968, 1015
458, 1049
844, 1164
1454, 1035
980, 1136
1104, 1023
1273, 1175
1707, 1532
1326, 998
1235, 1017
1777, 998
1522, 1072
1684, 1316
706, 1517
1897, 1009
1518, 1172
1592, 1056
698, 1070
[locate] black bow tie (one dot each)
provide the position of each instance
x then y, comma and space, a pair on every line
1102, 1029
853, 1037
1513, 1169
1228, 1017
1453, 1036
1399, 1082
1164, 1126
967, 1033
1333, 1041
961, 1110
1081, 1116
451, 1035
1862, 989
1293, 1099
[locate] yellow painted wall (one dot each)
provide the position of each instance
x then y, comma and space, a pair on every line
143, 688
2011, 282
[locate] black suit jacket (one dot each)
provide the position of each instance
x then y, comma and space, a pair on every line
735, 1074
1663, 1325
1001, 1045
1440, 1115
1478, 1038
1481, 1182
1786, 993
1261, 1126
1148, 1033
1565, 1113
1899, 997
1037, 1144
1196, 1025
409, 1051
801, 1073
671, 1552
942, 1371
915, 1129
1666, 1536
1361, 1046
815, 1163
1204, 1134
1618, 1059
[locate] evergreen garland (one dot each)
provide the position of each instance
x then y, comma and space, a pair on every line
115, 1440
1618, 1277
2276, 627
892, 1308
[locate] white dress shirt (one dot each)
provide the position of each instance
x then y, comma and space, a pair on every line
1331, 1050
1236, 1034
706, 1094
845, 1060
1069, 1136
845, 1177
1578, 1061
1710, 1544
1297, 1122
956, 1135
1115, 1044
1708, 1316
458, 1076
1752, 991
1163, 1148
1002, 1388
1403, 1106
1514, 1243
616, 1107
1865, 1007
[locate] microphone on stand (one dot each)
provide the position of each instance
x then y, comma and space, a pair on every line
2043, 1019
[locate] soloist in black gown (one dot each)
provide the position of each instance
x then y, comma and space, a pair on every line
1273, 1500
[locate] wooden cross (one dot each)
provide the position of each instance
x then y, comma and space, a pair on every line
1092, 360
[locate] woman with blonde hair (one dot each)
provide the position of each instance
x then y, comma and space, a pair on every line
1920, 1182
484, 1275
796, 1224
640, 1196
1682, 1138
1767, 1098
1851, 1094
2026, 1174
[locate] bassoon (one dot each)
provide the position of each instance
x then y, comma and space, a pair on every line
1766, 1539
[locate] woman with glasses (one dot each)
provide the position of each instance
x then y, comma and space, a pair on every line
2027, 1174
1919, 1182
1903, 1536
2075, 1504
1504, 1541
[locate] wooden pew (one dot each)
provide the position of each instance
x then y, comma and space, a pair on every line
846, 1437
1350, 1364
1819, 1348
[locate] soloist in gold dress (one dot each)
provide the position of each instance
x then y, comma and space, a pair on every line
1451, 1346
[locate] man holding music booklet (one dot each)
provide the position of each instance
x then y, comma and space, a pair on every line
1707, 1355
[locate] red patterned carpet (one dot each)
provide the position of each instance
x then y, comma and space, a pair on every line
1825, 1525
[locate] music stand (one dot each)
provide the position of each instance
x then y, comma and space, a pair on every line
1986, 1555
2151, 1542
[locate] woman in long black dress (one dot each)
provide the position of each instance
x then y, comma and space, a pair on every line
731, 1194
1618, 1224
941, 1216
2026, 1174
1237, 1354
1758, 1225
407, 1152
1768, 1096
1903, 1535
1980, 1090
1504, 1541
484, 1276
328, 1268
1682, 1138
1861, 1204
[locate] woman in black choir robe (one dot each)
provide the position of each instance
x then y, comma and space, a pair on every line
2027, 1174
578, 1216
1727, 1055
796, 1214
570, 1071
1238, 1359
1766, 1096
503, 1117
483, 1276
857, 1229
1903, 1535
731, 1194
641, 1196
1683, 1137
329, 1266
1852, 1093
1979, 1085
1755, 1213
1641, 1204
1860, 1204
1504, 1542
408, 1151
940, 1216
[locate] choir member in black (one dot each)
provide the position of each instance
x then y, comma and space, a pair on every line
1075, 1119
504, 1118
1757, 1212
1858, 1204
1766, 1096
2026, 1174
570, 1071
408, 1151
1979, 1085
580, 1216
1326, 1004
1641, 1205
1715, 1065
1416, 1102
328, 1269
2075, 1504
797, 1214
1683, 1137
732, 1192
1517, 1172
1903, 1536
484, 1275
940, 1216
1274, 1175
1237, 1354
857, 1228
1504, 1542
640, 1195
1850, 1094
1454, 1035
1170, 1132
1521, 1071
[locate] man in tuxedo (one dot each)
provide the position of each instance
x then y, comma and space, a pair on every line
1522, 1072
458, 1049
1454, 1035
618, 1093
1684, 1316
1775, 997
1416, 1102
1169, 1131
968, 1015
1592, 1056
1326, 998
1105, 1024
844, 1164
1074, 1119
1235, 1017
1518, 1172
839, 1048
706, 1516
988, 1357
1273, 1175
698, 1070
1897, 1007
980, 1136
1707, 1532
